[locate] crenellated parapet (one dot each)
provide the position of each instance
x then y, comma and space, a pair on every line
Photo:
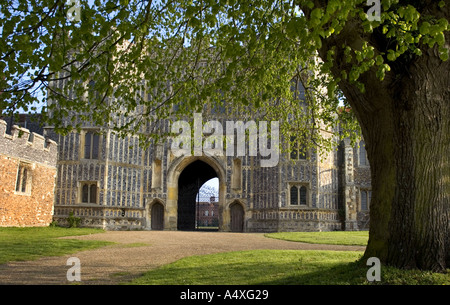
26, 145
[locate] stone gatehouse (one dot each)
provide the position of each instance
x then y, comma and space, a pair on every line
114, 183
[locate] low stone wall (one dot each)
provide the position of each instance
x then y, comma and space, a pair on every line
288, 220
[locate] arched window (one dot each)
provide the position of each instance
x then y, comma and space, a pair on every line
303, 192
366, 196
298, 194
91, 145
93, 93
362, 154
298, 151
294, 195
93, 193
85, 193
89, 192
23, 180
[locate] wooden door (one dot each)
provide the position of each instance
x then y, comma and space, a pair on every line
157, 216
237, 218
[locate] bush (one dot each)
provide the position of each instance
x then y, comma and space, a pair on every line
74, 222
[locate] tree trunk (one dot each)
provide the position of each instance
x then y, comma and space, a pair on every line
419, 222
405, 121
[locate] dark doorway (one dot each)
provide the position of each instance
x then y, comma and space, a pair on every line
157, 216
189, 183
237, 218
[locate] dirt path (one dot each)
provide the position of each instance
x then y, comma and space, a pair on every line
137, 252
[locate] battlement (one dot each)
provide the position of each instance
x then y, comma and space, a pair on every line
23, 144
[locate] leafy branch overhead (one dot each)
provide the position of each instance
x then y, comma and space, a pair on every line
149, 60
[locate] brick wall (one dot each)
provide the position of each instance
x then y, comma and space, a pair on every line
26, 199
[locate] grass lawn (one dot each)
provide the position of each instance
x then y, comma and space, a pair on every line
286, 267
357, 238
280, 267
33, 242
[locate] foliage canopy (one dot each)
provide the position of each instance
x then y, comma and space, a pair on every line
150, 60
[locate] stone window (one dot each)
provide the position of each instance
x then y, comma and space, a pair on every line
91, 145
298, 151
298, 195
363, 154
294, 195
89, 192
297, 89
23, 181
93, 93
366, 196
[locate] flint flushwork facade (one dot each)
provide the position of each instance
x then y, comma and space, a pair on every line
113, 183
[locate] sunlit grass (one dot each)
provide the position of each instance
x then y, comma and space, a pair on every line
18, 244
256, 267
356, 238
281, 267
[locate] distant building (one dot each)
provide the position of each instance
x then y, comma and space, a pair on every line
208, 213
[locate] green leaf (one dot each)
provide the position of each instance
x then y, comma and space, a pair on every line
444, 54
379, 60
391, 55
425, 28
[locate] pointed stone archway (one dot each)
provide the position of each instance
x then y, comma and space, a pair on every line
184, 177
189, 182
157, 216
237, 217
155, 212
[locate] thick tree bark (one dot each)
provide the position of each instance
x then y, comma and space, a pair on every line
419, 221
405, 121
408, 143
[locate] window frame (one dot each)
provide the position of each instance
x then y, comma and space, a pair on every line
93, 133
299, 150
89, 185
362, 147
307, 196
22, 188
368, 196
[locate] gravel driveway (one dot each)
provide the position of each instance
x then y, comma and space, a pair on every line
145, 250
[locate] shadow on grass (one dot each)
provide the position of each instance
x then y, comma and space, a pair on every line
265, 267
282, 267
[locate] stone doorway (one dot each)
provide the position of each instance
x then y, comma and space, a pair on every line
157, 216
236, 217
190, 180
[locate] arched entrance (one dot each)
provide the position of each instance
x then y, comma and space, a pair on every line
236, 217
157, 216
190, 180
184, 169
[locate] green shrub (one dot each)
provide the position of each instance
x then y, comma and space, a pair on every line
74, 222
